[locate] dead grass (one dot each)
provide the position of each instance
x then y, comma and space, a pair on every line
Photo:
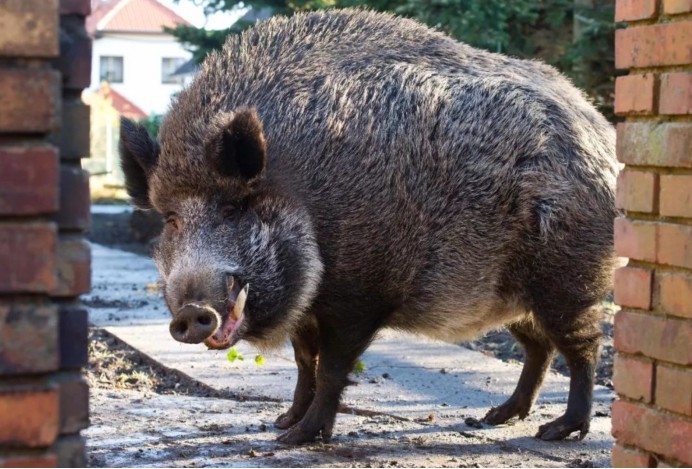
114, 365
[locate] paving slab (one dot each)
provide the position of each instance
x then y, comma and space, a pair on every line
414, 393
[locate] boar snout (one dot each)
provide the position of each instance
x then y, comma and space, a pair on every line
194, 323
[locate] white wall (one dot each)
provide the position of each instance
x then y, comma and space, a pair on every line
142, 54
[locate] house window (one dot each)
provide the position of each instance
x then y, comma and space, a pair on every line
168, 67
111, 69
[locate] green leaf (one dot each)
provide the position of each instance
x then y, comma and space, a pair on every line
359, 368
234, 355
259, 360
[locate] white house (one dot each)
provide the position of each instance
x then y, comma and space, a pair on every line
133, 54
133, 61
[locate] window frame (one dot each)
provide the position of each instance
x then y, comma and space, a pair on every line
169, 79
109, 61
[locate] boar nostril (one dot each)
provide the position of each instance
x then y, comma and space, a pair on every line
180, 327
204, 320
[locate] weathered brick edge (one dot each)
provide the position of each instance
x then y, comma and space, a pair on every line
45, 62
652, 417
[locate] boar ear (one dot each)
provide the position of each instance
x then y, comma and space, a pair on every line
236, 144
138, 155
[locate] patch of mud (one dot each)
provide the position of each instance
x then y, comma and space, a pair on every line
96, 301
117, 230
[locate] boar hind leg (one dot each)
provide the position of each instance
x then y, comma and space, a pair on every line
305, 346
538, 355
340, 347
578, 340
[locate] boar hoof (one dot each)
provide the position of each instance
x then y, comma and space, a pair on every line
561, 428
500, 414
286, 420
297, 435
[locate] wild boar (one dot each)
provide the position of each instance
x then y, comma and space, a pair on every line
332, 174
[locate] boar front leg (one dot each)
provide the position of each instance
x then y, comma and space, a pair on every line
305, 342
340, 345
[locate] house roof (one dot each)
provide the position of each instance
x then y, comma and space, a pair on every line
120, 103
131, 16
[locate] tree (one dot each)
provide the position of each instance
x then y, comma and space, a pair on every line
576, 36
152, 123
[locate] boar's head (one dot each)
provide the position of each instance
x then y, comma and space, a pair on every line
237, 255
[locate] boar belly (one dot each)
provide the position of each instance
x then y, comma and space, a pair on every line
457, 321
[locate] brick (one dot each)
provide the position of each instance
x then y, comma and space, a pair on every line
28, 417
73, 337
676, 195
653, 45
636, 191
29, 28
677, 150
653, 431
75, 202
675, 7
27, 257
633, 10
73, 137
626, 457
633, 287
676, 93
635, 239
73, 267
75, 7
29, 99
634, 94
674, 389
74, 401
674, 246
633, 378
656, 337
74, 62
71, 451
26, 460
28, 338
655, 144
676, 294
28, 180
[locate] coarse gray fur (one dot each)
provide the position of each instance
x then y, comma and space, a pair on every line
405, 180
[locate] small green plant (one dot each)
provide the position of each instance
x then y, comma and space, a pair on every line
359, 368
234, 355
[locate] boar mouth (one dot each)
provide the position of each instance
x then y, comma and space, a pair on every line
226, 334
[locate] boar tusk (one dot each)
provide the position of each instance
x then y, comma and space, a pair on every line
240, 303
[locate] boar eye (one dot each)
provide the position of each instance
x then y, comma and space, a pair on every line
173, 221
229, 211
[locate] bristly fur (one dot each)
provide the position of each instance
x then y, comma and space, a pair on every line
407, 180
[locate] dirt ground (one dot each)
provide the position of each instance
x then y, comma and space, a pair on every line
117, 230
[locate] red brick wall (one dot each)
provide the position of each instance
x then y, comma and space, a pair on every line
45, 62
652, 417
